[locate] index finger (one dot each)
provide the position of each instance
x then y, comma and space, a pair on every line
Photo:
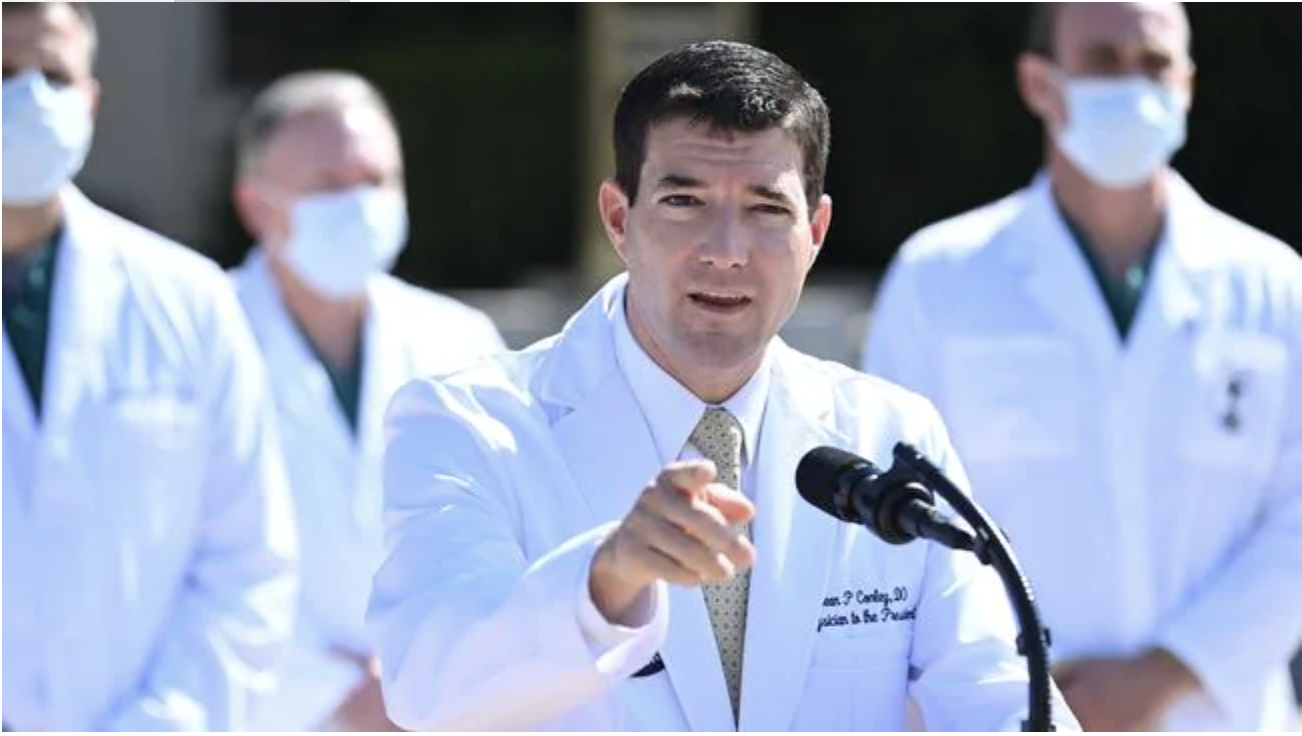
689, 477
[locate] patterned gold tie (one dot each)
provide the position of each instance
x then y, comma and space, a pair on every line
718, 436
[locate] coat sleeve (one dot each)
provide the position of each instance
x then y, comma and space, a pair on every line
471, 633
968, 673
234, 611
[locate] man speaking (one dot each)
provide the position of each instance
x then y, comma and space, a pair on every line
602, 531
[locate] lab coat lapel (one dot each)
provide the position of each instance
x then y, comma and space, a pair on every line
1057, 276
608, 447
794, 545
1175, 300
89, 289
20, 423
21, 432
304, 396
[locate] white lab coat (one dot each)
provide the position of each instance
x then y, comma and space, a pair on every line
501, 480
336, 475
1141, 518
149, 572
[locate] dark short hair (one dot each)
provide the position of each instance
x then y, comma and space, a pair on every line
83, 11
1040, 29
729, 86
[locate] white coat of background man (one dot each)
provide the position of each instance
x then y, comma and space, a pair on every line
149, 574
1120, 366
602, 531
320, 186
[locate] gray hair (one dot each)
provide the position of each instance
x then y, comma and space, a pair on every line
295, 95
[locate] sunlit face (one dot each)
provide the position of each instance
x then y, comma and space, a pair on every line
1102, 40
315, 153
717, 245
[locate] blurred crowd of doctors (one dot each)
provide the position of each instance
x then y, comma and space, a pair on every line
193, 486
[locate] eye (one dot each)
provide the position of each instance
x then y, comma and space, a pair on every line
57, 78
772, 209
680, 200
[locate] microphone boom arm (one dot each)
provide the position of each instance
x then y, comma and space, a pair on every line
992, 549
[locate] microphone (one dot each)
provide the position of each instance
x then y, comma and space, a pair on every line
896, 508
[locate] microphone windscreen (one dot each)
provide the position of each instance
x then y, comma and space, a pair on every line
818, 476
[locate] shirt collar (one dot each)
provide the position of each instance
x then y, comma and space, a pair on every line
671, 410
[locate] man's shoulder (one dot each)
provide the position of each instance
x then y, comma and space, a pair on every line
443, 329
1246, 250
426, 303
488, 382
159, 270
960, 237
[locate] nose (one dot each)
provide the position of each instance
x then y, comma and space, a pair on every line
726, 245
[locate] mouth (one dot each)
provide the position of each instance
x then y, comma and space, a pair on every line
719, 301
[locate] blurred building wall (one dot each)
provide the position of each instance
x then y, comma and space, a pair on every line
162, 112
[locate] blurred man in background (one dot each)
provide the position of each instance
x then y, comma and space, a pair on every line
149, 577
320, 186
1120, 365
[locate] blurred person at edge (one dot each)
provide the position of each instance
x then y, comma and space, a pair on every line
1120, 365
320, 187
149, 544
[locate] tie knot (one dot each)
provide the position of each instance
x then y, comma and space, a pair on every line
718, 436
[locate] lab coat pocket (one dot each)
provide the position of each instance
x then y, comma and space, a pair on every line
857, 682
1007, 398
1234, 417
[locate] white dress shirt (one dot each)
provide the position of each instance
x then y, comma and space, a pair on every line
672, 412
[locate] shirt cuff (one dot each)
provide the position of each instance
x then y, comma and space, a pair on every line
602, 635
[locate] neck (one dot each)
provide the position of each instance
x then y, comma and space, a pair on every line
716, 386
332, 326
712, 384
1119, 225
29, 227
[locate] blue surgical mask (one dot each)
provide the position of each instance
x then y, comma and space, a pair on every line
1120, 132
47, 132
339, 240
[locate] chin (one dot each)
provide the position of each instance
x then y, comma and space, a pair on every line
721, 352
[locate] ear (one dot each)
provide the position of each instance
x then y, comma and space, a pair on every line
820, 223
613, 205
1190, 85
1039, 90
93, 90
252, 209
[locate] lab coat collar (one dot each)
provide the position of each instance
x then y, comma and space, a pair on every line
90, 283
1039, 244
302, 386
603, 434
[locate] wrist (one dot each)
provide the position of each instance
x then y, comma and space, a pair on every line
612, 593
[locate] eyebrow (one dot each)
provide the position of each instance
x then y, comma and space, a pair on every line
679, 181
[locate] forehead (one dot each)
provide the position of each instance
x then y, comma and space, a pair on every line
1082, 26
323, 139
46, 35
680, 146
